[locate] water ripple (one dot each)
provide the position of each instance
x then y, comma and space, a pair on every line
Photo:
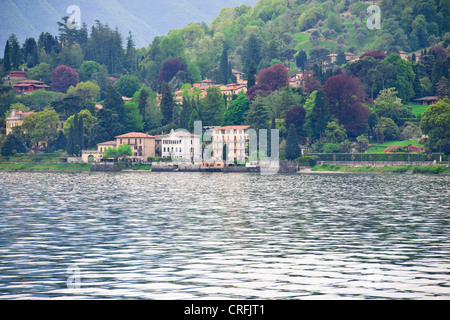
224, 236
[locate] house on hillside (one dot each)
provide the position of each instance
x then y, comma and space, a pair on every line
233, 89
15, 76
26, 86
142, 146
238, 74
426, 101
15, 119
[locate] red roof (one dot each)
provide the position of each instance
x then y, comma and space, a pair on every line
232, 127
135, 135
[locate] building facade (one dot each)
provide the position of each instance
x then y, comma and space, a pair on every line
30, 86
142, 144
230, 139
180, 145
15, 119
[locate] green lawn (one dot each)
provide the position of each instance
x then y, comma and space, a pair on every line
399, 169
45, 167
379, 148
417, 109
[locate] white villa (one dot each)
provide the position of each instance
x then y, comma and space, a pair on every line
179, 145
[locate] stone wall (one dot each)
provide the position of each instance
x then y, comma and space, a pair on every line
378, 163
105, 166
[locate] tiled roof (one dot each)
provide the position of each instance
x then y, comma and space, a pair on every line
107, 143
232, 127
135, 135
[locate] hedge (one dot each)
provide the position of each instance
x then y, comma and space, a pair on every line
398, 156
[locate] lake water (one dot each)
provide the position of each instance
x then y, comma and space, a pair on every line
220, 236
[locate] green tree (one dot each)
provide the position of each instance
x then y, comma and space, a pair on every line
113, 101
334, 22
235, 114
435, 123
334, 133
133, 120
404, 76
259, 115
293, 150
41, 72
167, 103
251, 75
88, 91
212, 107
127, 85
13, 144
318, 116
252, 51
7, 57
88, 69
143, 97
390, 128
41, 126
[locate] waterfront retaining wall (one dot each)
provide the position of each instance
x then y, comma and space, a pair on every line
105, 166
378, 163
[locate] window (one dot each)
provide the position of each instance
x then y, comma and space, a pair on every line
164, 149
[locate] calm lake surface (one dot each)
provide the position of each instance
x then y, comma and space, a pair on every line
224, 236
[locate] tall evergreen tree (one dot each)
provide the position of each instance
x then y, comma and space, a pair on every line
293, 150
114, 102
81, 131
167, 103
143, 96
224, 66
15, 52
70, 141
318, 117
251, 75
7, 57
300, 60
185, 113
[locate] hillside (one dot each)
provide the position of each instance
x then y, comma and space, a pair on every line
144, 18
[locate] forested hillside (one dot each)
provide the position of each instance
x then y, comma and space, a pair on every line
357, 83
144, 18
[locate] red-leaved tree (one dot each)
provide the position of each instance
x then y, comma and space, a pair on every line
344, 95
261, 89
276, 77
63, 77
296, 116
377, 54
169, 69
341, 91
354, 119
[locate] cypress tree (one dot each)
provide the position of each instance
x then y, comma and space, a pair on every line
185, 113
167, 103
224, 66
251, 78
81, 133
143, 95
7, 57
76, 135
293, 150
70, 148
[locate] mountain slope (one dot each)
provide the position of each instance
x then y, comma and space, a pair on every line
144, 18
